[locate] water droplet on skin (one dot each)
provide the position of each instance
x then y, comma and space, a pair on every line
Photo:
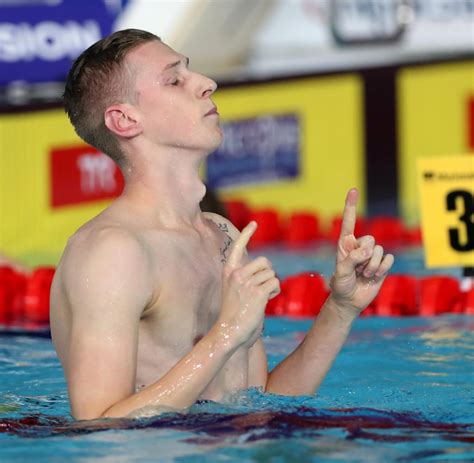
368, 284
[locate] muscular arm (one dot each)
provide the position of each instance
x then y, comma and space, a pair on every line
361, 267
302, 372
108, 287
258, 363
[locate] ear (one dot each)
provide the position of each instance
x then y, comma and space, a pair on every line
122, 120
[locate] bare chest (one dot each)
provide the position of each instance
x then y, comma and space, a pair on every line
188, 304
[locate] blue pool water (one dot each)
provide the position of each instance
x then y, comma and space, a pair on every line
400, 391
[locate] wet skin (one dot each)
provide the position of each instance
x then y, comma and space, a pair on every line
154, 304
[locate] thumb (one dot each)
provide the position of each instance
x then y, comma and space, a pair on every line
346, 266
346, 245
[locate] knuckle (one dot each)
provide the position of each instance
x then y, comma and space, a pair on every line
236, 276
367, 239
379, 248
352, 256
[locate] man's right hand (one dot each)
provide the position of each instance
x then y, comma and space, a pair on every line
245, 292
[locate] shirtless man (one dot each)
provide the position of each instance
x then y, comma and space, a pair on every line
154, 303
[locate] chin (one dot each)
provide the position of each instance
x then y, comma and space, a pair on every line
217, 143
214, 142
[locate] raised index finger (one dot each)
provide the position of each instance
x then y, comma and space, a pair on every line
239, 245
349, 215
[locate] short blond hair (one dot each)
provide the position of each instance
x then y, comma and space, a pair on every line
96, 80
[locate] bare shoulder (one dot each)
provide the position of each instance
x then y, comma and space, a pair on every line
224, 224
101, 258
104, 241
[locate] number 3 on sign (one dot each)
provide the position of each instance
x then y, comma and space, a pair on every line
465, 201
446, 187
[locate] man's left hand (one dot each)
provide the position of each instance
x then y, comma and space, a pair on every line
361, 265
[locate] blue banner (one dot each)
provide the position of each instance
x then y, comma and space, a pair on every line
256, 151
39, 39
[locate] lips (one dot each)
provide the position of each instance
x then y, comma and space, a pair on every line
211, 112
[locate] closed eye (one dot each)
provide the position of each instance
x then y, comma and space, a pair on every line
176, 81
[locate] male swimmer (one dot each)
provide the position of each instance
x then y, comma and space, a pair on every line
155, 304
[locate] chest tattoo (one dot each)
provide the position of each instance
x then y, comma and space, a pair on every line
227, 242
223, 227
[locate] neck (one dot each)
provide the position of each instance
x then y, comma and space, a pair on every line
165, 187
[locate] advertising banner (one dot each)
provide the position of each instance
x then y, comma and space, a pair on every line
256, 150
39, 39
82, 174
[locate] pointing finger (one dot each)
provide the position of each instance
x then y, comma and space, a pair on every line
349, 215
239, 245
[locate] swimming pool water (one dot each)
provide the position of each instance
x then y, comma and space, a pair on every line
319, 258
401, 390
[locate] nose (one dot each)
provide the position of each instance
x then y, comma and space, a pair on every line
207, 87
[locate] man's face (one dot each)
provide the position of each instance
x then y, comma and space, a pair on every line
174, 103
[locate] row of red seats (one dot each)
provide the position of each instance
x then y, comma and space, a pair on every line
303, 295
301, 228
24, 299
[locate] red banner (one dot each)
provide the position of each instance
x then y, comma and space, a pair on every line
82, 174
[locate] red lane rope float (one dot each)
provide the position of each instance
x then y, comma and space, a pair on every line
303, 295
305, 226
336, 225
302, 228
12, 288
469, 302
238, 212
397, 297
24, 299
440, 294
269, 228
37, 294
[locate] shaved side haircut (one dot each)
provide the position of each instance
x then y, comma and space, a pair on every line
99, 78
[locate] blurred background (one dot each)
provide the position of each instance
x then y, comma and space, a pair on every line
315, 97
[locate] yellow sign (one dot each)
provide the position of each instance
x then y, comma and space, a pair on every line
447, 210
432, 103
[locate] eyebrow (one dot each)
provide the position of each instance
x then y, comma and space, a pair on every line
177, 63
